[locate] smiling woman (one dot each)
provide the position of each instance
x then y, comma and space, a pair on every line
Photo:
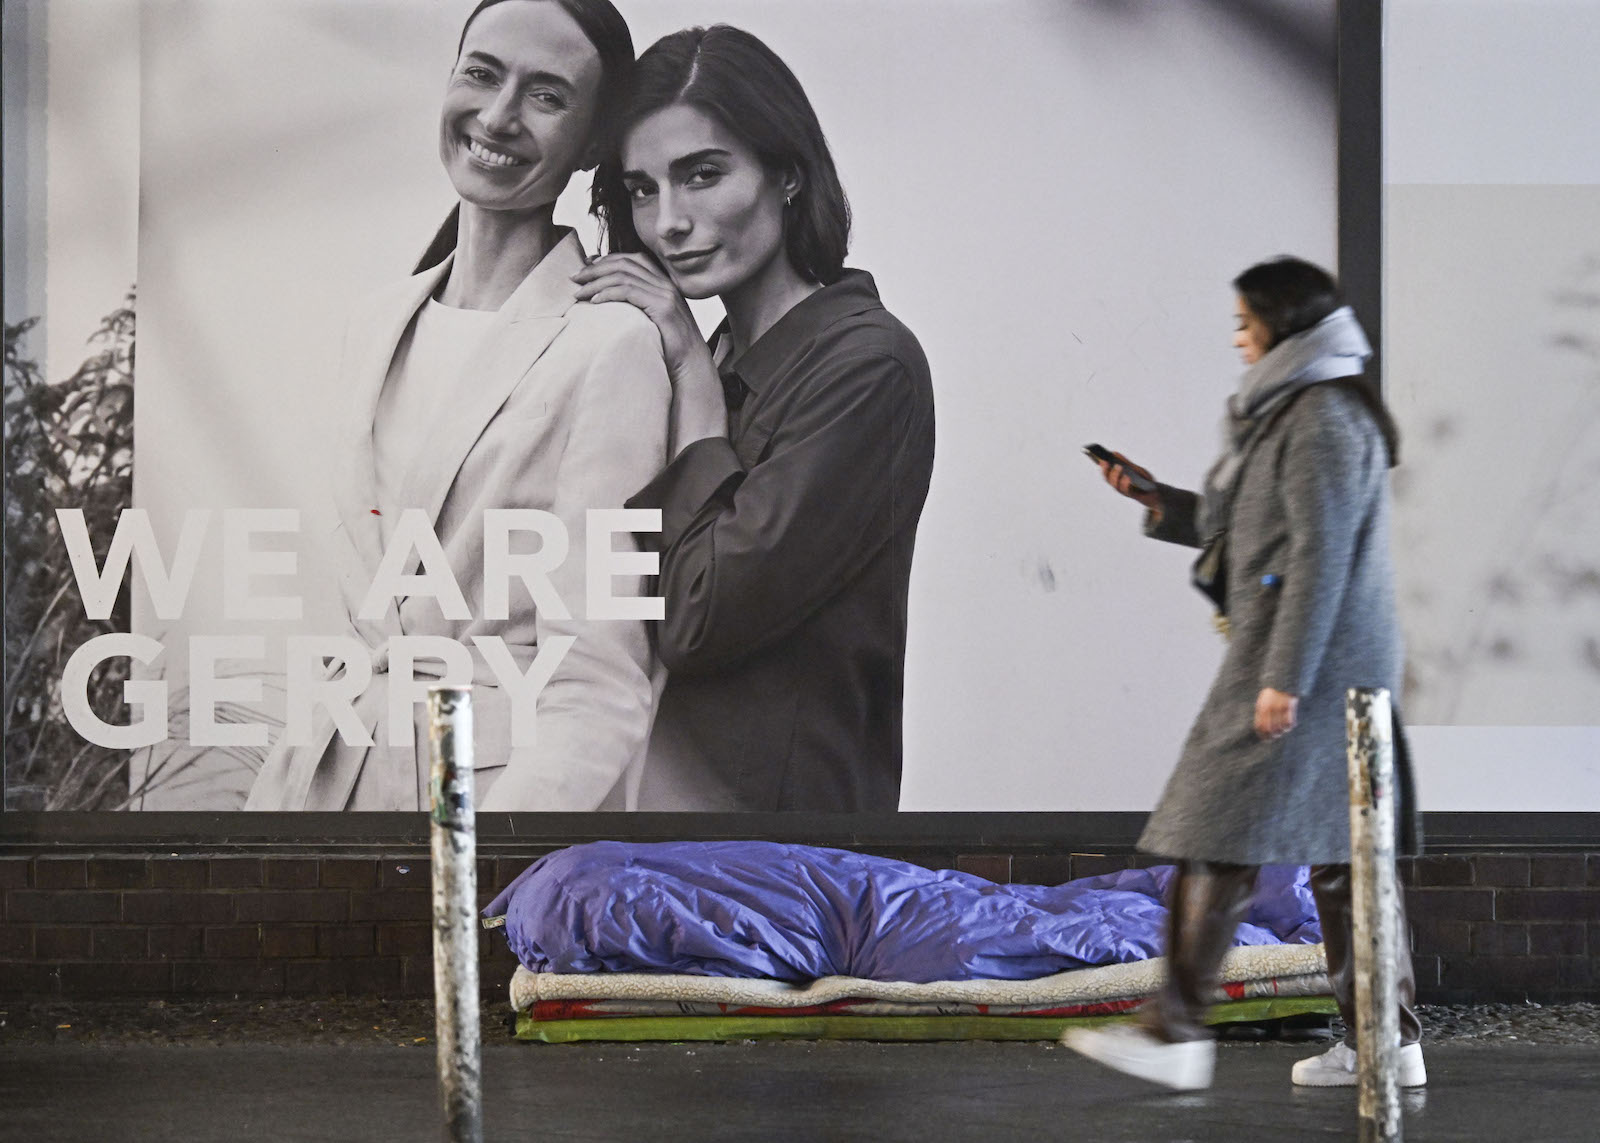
479, 385
519, 109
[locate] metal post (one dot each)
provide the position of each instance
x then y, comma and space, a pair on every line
1370, 738
455, 908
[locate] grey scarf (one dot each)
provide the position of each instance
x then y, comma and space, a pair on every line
1334, 347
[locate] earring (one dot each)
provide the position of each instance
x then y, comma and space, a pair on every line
788, 199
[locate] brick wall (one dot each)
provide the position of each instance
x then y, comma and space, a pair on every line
198, 925
1486, 926
1504, 926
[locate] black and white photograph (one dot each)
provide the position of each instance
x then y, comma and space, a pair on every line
719, 424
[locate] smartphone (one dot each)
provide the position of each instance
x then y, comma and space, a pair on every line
1136, 481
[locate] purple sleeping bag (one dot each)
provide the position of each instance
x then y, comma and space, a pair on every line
796, 913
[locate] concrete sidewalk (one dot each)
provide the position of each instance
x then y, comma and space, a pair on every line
768, 1092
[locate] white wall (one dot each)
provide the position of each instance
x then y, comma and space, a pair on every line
1492, 348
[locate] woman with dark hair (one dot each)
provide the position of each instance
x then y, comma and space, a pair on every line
1294, 525
486, 398
803, 438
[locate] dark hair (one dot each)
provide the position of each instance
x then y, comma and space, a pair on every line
1289, 295
741, 83
604, 27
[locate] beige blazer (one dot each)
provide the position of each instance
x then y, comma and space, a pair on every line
564, 408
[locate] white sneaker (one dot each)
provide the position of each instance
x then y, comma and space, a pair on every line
1131, 1050
1337, 1068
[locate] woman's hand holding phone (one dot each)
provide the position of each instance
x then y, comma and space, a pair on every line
1128, 478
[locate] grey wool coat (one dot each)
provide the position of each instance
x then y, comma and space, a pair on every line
1311, 604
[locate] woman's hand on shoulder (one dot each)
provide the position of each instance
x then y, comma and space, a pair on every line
698, 408
634, 279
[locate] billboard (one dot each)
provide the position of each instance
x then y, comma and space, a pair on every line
1503, 673
204, 611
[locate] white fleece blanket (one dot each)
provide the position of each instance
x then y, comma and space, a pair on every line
1263, 970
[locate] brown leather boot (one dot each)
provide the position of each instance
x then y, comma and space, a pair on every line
1330, 888
1208, 899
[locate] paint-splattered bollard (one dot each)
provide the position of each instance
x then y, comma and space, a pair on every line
1369, 731
455, 913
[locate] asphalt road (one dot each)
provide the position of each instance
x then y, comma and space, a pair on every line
768, 1092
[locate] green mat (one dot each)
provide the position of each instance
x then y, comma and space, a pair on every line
678, 1028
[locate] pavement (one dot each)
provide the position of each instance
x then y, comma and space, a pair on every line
774, 1092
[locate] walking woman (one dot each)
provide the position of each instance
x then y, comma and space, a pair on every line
1294, 520
479, 385
804, 440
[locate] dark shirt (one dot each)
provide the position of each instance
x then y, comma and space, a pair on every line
785, 564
